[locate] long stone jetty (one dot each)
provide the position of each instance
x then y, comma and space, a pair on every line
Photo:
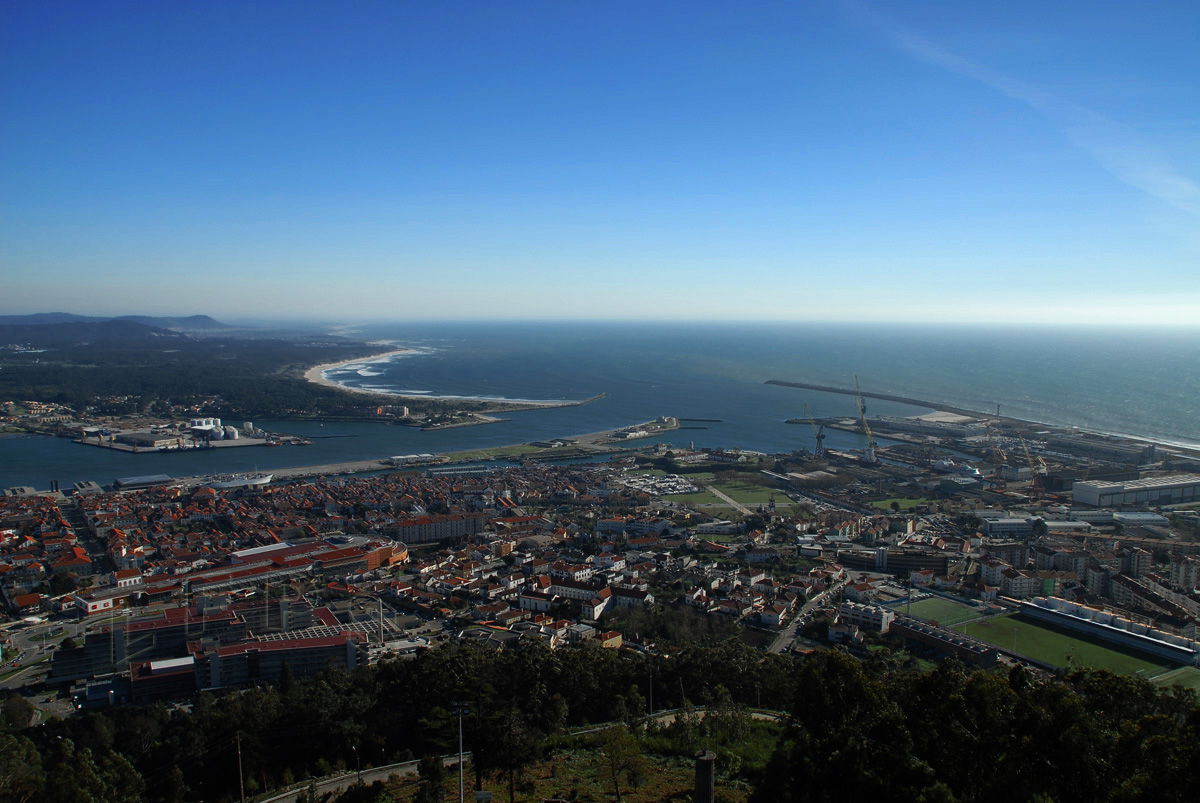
882, 396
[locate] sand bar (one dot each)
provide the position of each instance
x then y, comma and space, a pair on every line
316, 374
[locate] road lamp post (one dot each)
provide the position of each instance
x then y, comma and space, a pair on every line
461, 709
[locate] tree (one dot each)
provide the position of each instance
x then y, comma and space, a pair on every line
756, 521
433, 773
62, 582
79, 775
21, 774
555, 713
635, 707
622, 757
16, 713
727, 720
847, 737
506, 745
175, 789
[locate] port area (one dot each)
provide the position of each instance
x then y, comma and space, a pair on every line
187, 446
1008, 457
207, 433
595, 444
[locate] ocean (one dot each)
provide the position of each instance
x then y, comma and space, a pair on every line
1139, 382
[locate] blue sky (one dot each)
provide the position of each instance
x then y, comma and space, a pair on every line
1016, 161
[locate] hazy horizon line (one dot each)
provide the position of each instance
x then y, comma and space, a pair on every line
238, 319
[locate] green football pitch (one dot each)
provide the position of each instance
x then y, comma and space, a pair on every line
1186, 676
943, 611
1058, 648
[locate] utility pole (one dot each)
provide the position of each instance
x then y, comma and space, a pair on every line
460, 708
125, 642
650, 690
241, 777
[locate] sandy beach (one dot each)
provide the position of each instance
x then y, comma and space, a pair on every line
317, 374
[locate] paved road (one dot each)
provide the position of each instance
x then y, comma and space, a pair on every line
736, 504
34, 643
101, 560
342, 782
27, 673
788, 634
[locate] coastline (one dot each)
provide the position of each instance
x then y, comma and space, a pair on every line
1189, 448
592, 444
316, 375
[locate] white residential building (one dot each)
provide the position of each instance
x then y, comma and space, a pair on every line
867, 617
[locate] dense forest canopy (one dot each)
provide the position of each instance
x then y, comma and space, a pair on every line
855, 730
127, 366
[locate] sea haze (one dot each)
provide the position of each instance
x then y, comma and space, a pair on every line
1140, 382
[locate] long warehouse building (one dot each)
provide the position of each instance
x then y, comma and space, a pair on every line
1169, 490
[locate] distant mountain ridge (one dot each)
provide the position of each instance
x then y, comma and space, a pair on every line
190, 323
120, 333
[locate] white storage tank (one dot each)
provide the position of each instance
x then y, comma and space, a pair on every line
231, 433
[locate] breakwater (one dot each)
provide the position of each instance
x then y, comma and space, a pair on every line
881, 396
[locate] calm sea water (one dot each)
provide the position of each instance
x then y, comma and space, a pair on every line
1138, 382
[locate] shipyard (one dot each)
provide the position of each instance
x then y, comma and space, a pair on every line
198, 433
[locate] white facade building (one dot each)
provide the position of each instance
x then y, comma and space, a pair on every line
867, 617
1002, 528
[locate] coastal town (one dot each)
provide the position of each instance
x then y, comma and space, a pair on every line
600, 403
917, 545
159, 590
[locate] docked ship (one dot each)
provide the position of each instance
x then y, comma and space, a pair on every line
242, 481
960, 469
